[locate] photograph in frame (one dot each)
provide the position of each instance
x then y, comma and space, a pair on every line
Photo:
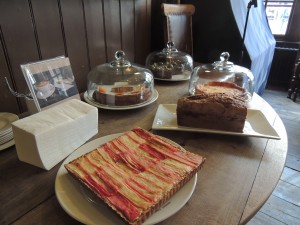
50, 81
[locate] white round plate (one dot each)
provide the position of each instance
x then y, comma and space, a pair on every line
6, 132
179, 77
5, 122
7, 144
44, 96
153, 99
76, 204
6, 138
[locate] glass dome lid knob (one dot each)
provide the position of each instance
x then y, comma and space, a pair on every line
170, 48
170, 45
223, 64
120, 60
224, 56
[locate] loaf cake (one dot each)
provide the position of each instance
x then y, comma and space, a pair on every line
135, 173
216, 111
121, 95
228, 88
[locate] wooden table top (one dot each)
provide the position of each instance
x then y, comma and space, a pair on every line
238, 176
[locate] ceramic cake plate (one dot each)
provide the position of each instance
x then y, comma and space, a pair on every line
79, 205
96, 104
6, 119
256, 124
7, 144
179, 77
6, 133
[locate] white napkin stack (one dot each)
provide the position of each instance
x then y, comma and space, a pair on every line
47, 137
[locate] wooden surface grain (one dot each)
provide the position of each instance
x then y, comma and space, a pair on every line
280, 207
238, 176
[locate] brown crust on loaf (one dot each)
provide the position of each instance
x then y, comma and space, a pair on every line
226, 85
150, 211
212, 111
208, 99
228, 88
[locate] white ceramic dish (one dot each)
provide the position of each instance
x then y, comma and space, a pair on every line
256, 124
78, 206
7, 144
179, 77
64, 85
5, 122
153, 99
6, 132
6, 138
40, 95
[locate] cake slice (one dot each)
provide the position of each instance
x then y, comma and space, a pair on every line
122, 95
217, 111
135, 173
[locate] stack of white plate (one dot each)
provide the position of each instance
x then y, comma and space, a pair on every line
6, 133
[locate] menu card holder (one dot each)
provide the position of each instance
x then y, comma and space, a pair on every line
50, 81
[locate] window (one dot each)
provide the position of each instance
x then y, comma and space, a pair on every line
278, 14
284, 19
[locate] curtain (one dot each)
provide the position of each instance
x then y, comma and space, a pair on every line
259, 40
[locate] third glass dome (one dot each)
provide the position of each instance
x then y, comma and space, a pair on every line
223, 72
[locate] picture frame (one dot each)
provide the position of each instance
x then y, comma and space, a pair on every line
50, 81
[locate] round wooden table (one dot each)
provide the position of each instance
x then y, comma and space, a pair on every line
237, 178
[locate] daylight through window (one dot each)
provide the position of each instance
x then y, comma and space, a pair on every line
278, 14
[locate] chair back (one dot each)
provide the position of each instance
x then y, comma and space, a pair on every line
178, 25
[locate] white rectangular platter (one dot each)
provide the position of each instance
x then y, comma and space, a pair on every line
256, 124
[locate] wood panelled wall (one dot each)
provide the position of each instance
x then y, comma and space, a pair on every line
89, 32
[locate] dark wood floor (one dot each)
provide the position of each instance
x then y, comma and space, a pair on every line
283, 206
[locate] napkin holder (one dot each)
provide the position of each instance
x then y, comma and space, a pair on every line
47, 137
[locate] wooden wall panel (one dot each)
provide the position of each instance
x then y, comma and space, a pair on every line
157, 30
294, 27
89, 32
18, 34
76, 42
127, 27
8, 102
112, 28
95, 31
142, 30
48, 28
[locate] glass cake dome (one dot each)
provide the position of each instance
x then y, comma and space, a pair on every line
170, 64
222, 73
119, 83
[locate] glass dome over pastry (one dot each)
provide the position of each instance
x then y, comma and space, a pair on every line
120, 83
222, 77
170, 64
